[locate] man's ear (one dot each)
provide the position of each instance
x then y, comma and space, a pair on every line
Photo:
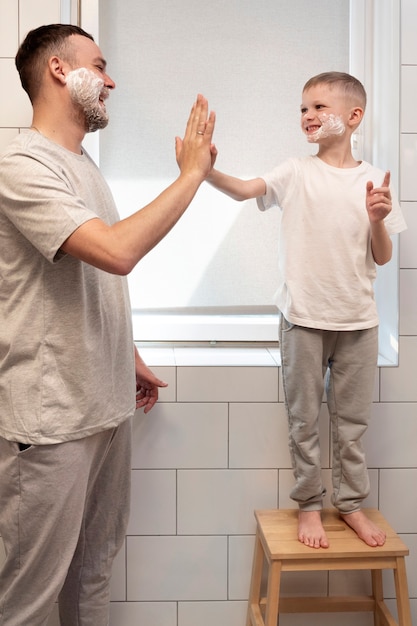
58, 68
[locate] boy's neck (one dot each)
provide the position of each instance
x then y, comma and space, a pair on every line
337, 156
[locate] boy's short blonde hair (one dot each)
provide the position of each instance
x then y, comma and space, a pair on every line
350, 86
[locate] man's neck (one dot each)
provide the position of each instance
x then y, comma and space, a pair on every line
67, 134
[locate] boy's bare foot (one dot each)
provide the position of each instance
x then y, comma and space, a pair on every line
364, 528
310, 529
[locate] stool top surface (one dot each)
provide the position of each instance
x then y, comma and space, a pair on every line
278, 531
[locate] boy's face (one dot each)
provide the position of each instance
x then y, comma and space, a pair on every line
324, 113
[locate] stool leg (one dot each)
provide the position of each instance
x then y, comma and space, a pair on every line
401, 588
272, 597
256, 580
378, 593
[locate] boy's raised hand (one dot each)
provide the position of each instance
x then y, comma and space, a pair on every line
378, 199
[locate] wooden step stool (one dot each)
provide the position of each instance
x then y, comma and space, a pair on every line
277, 546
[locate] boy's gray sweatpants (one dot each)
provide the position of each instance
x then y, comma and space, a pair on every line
63, 514
345, 363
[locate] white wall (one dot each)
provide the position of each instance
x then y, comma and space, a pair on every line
246, 61
215, 447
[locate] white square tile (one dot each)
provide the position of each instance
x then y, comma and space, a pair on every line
211, 613
216, 356
240, 566
223, 501
397, 500
408, 302
9, 28
408, 97
181, 435
258, 435
153, 356
390, 440
276, 355
408, 32
227, 384
408, 248
6, 136
398, 384
153, 506
146, 613
34, 14
176, 568
15, 110
408, 156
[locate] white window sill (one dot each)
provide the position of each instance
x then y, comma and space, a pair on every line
216, 356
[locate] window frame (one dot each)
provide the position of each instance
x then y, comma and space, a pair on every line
374, 47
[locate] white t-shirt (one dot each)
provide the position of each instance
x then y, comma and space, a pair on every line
66, 347
326, 268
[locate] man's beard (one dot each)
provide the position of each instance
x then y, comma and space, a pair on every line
85, 89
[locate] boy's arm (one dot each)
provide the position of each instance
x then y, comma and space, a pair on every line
237, 188
378, 205
381, 243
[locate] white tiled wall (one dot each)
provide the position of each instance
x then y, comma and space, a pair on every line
215, 447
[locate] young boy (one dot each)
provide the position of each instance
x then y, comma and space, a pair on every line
337, 216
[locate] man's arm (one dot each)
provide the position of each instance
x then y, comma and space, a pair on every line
147, 384
118, 248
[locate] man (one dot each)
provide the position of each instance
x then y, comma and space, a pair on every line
69, 370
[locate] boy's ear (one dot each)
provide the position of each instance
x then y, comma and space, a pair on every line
356, 116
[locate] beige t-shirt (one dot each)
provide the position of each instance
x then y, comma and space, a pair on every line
326, 268
66, 346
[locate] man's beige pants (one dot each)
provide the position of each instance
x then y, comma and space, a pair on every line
63, 514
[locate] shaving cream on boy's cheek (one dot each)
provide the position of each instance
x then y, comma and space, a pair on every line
330, 125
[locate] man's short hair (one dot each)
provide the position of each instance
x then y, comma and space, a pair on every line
38, 46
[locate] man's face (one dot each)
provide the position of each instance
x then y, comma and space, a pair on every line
88, 84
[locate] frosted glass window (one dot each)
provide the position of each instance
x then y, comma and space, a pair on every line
250, 59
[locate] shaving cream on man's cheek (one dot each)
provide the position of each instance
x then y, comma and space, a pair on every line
330, 125
85, 89
84, 86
